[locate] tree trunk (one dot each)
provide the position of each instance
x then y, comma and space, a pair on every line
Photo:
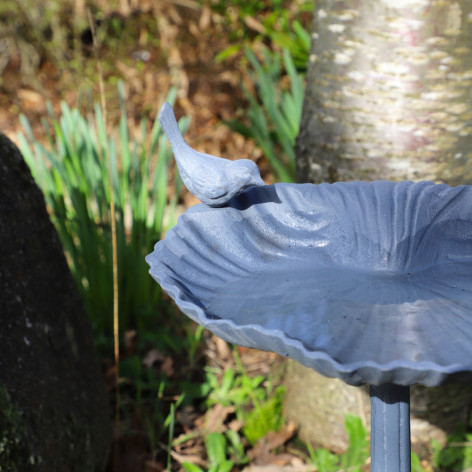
389, 92
318, 406
388, 96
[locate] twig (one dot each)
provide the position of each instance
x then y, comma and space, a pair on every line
113, 239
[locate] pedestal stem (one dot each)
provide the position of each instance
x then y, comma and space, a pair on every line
390, 433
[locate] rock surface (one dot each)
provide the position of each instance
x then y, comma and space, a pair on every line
318, 405
54, 413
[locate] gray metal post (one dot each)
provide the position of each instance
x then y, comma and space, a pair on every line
390, 433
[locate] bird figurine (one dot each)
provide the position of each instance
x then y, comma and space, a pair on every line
211, 179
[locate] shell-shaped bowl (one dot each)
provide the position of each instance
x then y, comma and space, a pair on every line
367, 282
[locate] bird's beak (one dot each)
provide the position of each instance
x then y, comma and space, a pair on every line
257, 181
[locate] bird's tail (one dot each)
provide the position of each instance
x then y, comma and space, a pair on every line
171, 129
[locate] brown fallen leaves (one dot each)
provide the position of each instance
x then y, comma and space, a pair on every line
263, 452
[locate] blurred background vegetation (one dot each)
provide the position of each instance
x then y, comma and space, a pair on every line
234, 71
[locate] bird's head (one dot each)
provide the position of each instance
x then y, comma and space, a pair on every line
246, 173
211, 179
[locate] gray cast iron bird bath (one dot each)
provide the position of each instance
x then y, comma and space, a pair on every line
367, 282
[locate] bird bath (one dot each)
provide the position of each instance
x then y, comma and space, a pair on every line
367, 282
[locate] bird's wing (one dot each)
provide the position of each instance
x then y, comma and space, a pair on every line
216, 192
204, 182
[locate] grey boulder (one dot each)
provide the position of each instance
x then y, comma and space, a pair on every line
54, 412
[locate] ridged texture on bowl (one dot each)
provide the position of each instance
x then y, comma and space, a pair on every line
368, 282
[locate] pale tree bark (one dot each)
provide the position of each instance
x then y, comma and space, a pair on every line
389, 92
388, 96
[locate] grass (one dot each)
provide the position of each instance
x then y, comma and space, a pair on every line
217, 452
353, 459
72, 172
457, 454
253, 406
257, 400
274, 111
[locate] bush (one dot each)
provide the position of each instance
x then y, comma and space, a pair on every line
274, 113
72, 172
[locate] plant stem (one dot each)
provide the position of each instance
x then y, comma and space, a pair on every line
116, 341
390, 435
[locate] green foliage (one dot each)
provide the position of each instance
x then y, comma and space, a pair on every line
353, 459
324, 460
279, 25
72, 172
236, 448
358, 450
216, 446
190, 467
415, 463
224, 451
274, 113
264, 417
246, 7
273, 116
217, 450
290, 35
457, 454
234, 14
257, 402
145, 404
